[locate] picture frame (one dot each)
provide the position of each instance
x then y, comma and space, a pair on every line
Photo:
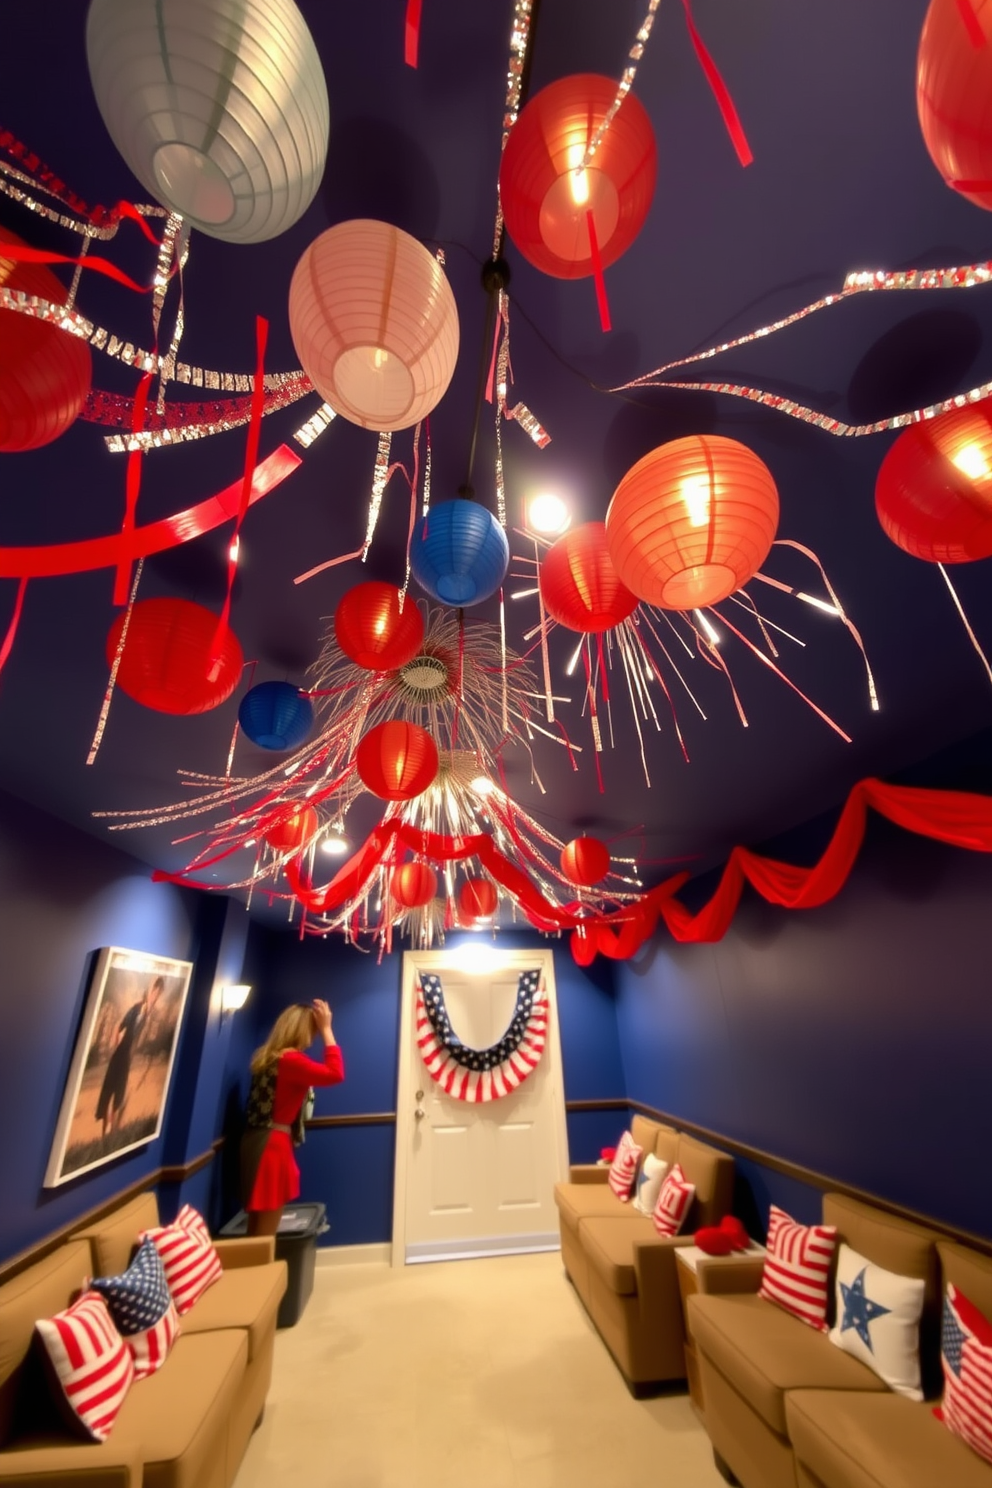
118, 1083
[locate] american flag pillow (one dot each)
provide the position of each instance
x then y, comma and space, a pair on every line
191, 1263
674, 1198
91, 1361
797, 1267
624, 1168
142, 1308
966, 1356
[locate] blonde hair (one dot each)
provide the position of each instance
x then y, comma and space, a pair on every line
293, 1029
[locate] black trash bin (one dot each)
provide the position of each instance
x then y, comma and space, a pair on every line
296, 1244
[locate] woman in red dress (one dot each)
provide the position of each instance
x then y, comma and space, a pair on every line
281, 1076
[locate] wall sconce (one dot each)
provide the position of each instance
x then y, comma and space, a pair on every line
233, 997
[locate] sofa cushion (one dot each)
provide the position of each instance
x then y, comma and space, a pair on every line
966, 1356
113, 1240
970, 1272
623, 1170
764, 1352
39, 1291
853, 1440
578, 1201
142, 1308
797, 1267
247, 1298
190, 1261
878, 1320
908, 1249
649, 1180
90, 1364
712, 1173
674, 1198
653, 1136
609, 1248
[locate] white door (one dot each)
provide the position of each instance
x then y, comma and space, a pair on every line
476, 1179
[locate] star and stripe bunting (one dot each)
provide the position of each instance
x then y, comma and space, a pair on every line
477, 1075
91, 1360
797, 1267
142, 1308
966, 1356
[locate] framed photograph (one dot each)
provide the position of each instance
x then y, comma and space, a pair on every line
118, 1082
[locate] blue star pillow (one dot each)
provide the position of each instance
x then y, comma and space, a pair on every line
878, 1320
142, 1308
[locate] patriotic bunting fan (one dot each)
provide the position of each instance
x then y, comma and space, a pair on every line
481, 1074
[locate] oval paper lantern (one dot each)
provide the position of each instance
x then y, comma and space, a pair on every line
397, 760
546, 198
579, 584
933, 494
692, 521
413, 885
218, 106
276, 715
168, 662
954, 95
585, 860
373, 631
44, 372
294, 831
459, 553
374, 323
477, 899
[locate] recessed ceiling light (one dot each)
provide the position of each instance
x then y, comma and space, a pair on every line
336, 845
547, 513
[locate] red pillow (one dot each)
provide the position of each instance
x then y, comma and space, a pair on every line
966, 1356
190, 1260
91, 1361
797, 1267
624, 1169
674, 1198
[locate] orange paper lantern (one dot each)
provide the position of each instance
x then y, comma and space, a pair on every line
546, 197
170, 662
44, 372
692, 521
374, 323
579, 584
413, 885
294, 831
933, 495
954, 95
397, 760
373, 632
585, 860
477, 899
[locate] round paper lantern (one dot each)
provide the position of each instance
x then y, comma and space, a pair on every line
579, 584
933, 495
168, 662
477, 899
413, 885
459, 553
585, 860
294, 831
692, 521
219, 107
373, 631
374, 323
954, 95
397, 760
546, 197
44, 372
276, 715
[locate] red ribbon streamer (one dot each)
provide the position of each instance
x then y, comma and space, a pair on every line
720, 91
411, 32
15, 620
597, 275
22, 253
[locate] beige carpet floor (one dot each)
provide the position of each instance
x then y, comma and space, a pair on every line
465, 1374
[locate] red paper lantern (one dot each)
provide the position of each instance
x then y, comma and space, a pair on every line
933, 495
585, 860
692, 521
413, 885
373, 632
294, 831
546, 198
579, 584
397, 760
477, 899
954, 95
169, 661
44, 372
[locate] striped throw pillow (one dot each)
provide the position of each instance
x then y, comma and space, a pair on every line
91, 1362
966, 1356
191, 1263
624, 1168
674, 1197
142, 1308
797, 1267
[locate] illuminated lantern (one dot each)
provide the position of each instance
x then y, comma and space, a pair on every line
413, 885
585, 860
374, 323
294, 831
397, 760
218, 106
170, 662
547, 198
373, 631
477, 899
953, 93
276, 715
459, 553
933, 495
579, 584
44, 372
693, 521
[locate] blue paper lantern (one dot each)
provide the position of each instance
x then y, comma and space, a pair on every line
459, 553
276, 715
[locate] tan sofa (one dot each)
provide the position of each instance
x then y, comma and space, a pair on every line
623, 1270
186, 1426
785, 1408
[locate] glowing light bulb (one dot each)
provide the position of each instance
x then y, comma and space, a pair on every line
696, 495
379, 358
578, 184
335, 845
548, 513
482, 785
970, 460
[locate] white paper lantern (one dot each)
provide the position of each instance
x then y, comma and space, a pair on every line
219, 107
374, 323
